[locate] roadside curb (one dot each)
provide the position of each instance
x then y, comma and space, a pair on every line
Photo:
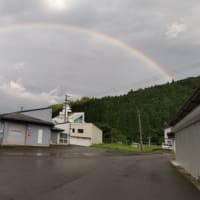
187, 175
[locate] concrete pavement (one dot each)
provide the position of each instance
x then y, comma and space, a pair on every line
76, 173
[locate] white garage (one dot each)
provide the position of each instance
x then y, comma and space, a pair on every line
186, 127
16, 134
78, 131
80, 141
85, 134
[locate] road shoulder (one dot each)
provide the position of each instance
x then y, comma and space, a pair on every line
186, 174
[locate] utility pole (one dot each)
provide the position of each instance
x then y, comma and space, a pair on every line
65, 104
149, 140
140, 129
66, 119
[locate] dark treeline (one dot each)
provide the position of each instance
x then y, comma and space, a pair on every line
117, 116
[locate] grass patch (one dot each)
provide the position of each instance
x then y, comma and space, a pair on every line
124, 147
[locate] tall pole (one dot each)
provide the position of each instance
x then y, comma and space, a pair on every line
69, 133
66, 119
149, 141
140, 129
66, 112
65, 108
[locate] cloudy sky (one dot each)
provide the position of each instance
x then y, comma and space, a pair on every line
49, 48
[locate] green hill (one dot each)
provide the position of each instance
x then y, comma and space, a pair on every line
118, 115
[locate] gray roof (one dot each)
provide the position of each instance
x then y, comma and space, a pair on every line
18, 117
189, 106
36, 109
57, 129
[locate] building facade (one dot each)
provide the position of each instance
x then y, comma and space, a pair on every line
23, 128
187, 135
85, 134
61, 137
169, 140
76, 130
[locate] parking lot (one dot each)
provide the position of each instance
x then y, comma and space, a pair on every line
76, 173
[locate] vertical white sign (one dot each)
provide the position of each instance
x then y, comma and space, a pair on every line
40, 136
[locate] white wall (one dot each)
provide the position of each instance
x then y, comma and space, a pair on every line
188, 149
64, 126
187, 135
87, 127
191, 118
97, 135
90, 131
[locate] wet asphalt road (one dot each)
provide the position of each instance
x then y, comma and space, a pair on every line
78, 173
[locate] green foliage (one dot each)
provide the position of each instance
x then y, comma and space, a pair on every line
128, 148
118, 115
80, 101
56, 109
111, 134
117, 136
157, 105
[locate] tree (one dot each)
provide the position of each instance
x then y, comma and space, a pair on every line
158, 104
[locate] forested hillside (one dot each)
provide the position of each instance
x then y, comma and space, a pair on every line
157, 105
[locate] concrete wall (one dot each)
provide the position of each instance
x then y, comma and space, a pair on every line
45, 114
188, 149
64, 126
1, 131
5, 133
187, 134
54, 137
90, 131
32, 136
191, 118
97, 135
87, 127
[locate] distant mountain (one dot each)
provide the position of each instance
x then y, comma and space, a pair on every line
157, 104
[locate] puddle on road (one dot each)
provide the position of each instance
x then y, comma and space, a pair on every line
37, 154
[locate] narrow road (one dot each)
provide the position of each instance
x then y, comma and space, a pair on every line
77, 173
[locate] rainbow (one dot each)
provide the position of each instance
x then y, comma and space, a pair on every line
100, 36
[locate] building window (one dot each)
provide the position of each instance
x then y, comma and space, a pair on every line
1, 127
63, 138
73, 130
80, 131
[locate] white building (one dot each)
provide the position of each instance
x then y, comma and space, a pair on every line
76, 130
85, 134
78, 117
169, 140
187, 135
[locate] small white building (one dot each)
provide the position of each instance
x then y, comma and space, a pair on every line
85, 134
76, 130
186, 127
169, 140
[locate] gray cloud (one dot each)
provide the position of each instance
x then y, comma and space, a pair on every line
47, 63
